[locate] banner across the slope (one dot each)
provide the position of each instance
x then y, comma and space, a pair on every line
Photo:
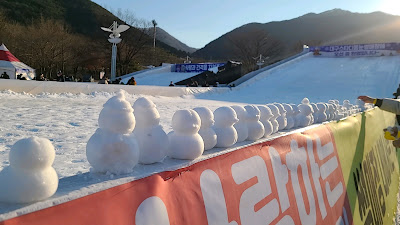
357, 50
194, 67
296, 179
369, 164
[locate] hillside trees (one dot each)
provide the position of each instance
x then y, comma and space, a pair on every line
248, 45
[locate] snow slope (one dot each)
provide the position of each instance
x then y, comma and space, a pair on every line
69, 120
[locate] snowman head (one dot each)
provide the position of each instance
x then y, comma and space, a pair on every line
186, 121
305, 109
241, 113
288, 108
253, 112
265, 112
146, 113
225, 116
117, 115
274, 110
32, 153
295, 109
321, 107
282, 110
305, 101
206, 116
315, 107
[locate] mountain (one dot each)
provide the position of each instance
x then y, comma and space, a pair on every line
164, 36
331, 27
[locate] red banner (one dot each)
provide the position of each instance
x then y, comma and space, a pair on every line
296, 179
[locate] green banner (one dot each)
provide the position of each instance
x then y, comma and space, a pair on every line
369, 164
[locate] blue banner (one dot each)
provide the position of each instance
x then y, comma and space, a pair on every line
357, 50
194, 67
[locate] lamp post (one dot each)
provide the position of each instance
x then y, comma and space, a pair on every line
114, 39
260, 60
154, 41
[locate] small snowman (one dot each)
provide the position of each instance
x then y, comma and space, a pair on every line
347, 107
282, 120
113, 148
330, 111
152, 139
275, 113
322, 117
241, 126
206, 131
289, 116
256, 128
225, 118
30, 176
304, 117
185, 142
265, 116
296, 111
315, 112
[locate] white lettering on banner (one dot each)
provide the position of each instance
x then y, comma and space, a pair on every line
214, 199
147, 210
298, 157
280, 170
315, 172
244, 171
327, 169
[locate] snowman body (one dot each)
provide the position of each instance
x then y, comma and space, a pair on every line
275, 113
256, 128
282, 120
265, 116
289, 116
206, 131
225, 118
152, 140
242, 125
185, 142
30, 176
113, 148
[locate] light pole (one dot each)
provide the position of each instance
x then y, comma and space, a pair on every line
154, 40
260, 61
114, 39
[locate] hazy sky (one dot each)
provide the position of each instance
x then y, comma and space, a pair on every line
196, 23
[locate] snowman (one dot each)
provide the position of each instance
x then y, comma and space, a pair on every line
265, 116
330, 111
241, 126
206, 132
30, 176
256, 128
113, 148
152, 139
315, 112
347, 107
282, 120
305, 116
275, 113
322, 117
296, 111
225, 118
289, 116
184, 141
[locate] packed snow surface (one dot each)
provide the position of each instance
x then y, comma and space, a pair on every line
68, 120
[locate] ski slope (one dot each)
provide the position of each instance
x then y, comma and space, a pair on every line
319, 79
69, 120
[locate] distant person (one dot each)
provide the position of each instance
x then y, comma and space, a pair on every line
104, 80
60, 76
171, 84
41, 78
131, 81
386, 104
397, 93
5, 76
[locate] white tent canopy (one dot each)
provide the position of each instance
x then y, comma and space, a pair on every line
10, 65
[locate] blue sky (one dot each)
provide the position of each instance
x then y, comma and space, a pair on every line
196, 23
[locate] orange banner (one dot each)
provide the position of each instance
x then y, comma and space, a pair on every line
296, 179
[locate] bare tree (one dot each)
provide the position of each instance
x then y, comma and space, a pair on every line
248, 45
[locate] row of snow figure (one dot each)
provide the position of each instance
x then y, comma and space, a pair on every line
130, 135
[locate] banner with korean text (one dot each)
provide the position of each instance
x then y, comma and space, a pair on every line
340, 173
357, 50
194, 67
